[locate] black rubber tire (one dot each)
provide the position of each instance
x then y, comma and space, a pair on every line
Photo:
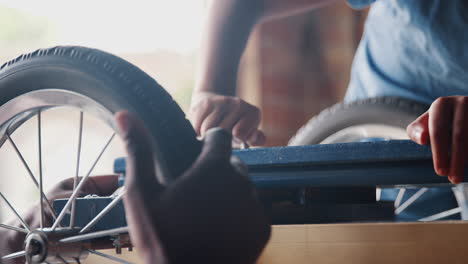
391, 111
112, 82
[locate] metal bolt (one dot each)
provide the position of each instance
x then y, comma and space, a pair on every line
244, 145
118, 246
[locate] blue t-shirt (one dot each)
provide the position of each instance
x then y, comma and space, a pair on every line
416, 49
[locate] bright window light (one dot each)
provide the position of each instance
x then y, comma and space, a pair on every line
119, 26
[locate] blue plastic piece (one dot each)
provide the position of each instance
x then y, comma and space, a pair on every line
344, 153
88, 207
379, 163
119, 168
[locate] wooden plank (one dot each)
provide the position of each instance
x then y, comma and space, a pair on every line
382, 243
438, 242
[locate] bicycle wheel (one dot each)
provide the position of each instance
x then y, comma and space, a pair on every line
90, 86
384, 118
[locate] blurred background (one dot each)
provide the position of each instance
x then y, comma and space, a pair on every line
292, 69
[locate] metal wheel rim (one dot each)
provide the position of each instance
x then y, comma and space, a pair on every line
22, 108
361, 132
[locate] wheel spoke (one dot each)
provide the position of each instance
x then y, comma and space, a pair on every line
441, 215
80, 185
26, 226
399, 197
104, 211
15, 255
41, 187
76, 179
110, 232
410, 200
31, 175
25, 164
14, 228
378, 194
104, 255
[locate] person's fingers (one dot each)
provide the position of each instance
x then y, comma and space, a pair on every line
105, 185
440, 123
198, 114
257, 138
247, 124
217, 145
232, 116
418, 130
212, 120
140, 159
459, 144
143, 189
228, 112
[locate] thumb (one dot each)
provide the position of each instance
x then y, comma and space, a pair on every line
140, 171
141, 185
418, 130
217, 145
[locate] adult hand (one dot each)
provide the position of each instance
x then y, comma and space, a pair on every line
231, 113
210, 214
445, 126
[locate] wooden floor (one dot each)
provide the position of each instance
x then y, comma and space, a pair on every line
428, 243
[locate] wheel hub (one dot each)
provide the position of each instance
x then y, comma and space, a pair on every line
43, 246
35, 247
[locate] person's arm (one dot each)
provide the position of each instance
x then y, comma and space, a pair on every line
229, 25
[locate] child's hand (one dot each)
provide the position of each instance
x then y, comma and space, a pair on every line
242, 119
445, 126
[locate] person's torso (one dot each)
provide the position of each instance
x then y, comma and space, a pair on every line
414, 49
